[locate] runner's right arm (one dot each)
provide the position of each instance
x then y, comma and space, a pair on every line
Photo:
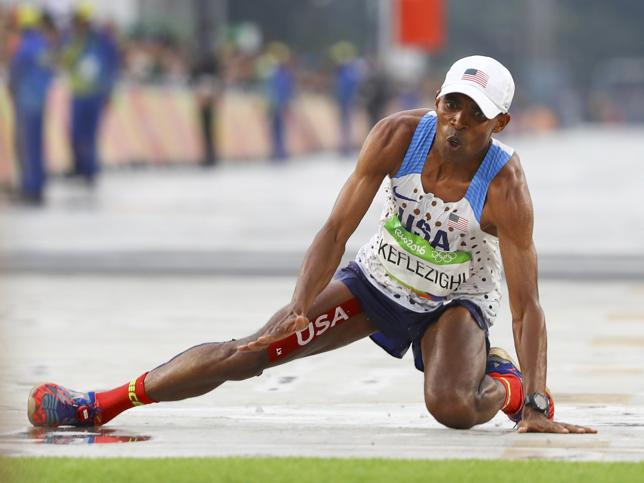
381, 154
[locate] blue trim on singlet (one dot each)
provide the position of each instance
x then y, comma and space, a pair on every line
494, 160
419, 147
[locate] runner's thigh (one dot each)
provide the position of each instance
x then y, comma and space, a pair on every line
454, 353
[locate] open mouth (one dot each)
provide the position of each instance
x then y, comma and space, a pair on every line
453, 141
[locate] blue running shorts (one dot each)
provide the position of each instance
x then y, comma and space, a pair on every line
398, 327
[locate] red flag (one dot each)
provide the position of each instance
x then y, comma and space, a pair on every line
421, 23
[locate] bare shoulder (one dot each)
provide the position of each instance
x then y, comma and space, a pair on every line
386, 144
510, 183
509, 206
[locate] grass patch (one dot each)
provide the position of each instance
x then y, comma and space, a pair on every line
309, 470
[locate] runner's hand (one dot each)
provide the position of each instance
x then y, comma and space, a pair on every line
533, 422
287, 325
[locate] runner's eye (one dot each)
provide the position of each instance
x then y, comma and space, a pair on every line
478, 114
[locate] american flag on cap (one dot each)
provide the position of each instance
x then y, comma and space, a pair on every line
457, 222
476, 75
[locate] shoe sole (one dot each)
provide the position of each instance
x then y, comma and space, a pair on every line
32, 405
502, 354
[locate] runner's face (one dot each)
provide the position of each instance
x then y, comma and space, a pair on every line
462, 129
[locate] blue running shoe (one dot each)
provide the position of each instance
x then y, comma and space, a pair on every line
501, 367
50, 405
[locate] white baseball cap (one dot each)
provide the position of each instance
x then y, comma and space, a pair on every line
483, 79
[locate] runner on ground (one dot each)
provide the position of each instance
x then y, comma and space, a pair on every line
457, 209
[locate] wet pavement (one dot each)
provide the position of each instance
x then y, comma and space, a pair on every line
98, 332
102, 285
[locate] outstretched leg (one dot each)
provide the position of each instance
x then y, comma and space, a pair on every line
458, 393
202, 368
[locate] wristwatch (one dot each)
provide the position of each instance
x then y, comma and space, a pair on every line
538, 401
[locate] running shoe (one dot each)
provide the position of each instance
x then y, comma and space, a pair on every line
50, 405
502, 367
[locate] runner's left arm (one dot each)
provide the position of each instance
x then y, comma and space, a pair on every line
512, 214
513, 217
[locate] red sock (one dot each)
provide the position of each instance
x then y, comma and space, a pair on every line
114, 402
513, 392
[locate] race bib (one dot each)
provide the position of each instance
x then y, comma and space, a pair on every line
414, 263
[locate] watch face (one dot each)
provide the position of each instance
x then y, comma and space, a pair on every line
540, 401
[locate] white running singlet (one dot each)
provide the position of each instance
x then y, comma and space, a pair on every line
428, 252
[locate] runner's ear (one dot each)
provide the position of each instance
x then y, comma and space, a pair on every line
502, 120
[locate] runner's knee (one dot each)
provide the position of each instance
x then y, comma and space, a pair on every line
455, 409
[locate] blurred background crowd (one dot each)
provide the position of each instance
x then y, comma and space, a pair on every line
122, 82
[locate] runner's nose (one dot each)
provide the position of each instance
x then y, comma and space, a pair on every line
458, 119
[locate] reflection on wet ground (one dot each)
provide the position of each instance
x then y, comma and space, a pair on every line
73, 436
